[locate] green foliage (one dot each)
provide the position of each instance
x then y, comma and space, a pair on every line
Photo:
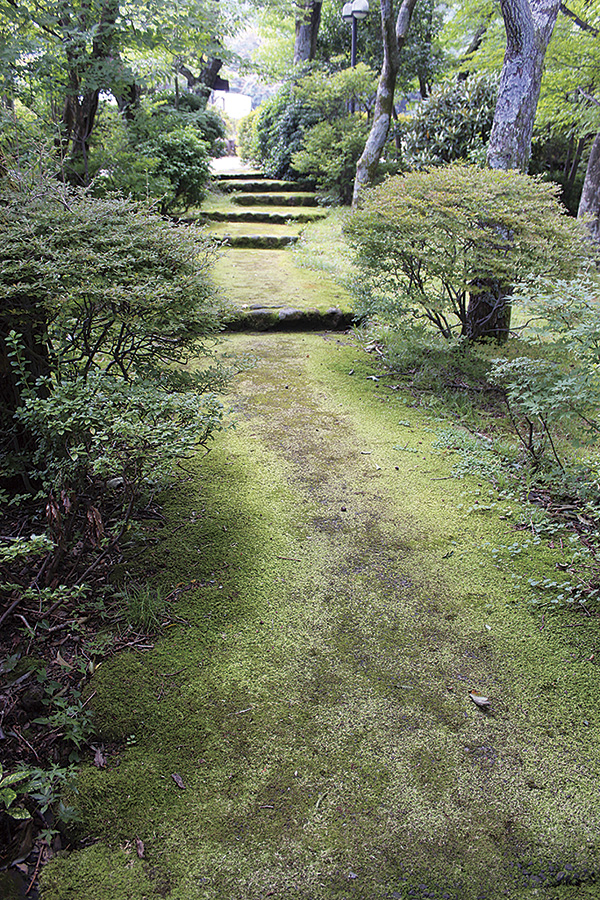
184, 162
453, 123
422, 56
128, 433
556, 387
115, 287
330, 153
281, 123
247, 137
163, 153
115, 302
331, 148
331, 95
8, 794
71, 720
427, 241
144, 605
39, 788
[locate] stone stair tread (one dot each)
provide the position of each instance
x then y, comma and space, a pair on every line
275, 199
258, 186
274, 217
258, 241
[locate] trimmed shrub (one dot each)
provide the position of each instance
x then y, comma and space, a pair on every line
430, 244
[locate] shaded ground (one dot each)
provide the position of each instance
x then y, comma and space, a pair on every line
304, 728
271, 278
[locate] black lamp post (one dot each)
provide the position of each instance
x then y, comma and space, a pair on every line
353, 12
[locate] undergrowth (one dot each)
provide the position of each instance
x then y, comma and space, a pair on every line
536, 454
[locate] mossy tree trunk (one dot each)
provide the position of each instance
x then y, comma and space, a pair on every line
393, 40
529, 25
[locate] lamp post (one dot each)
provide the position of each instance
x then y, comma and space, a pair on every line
352, 13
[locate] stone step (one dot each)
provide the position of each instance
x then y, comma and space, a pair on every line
268, 318
275, 218
304, 199
256, 186
258, 241
238, 176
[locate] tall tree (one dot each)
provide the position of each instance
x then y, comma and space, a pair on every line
529, 25
308, 20
76, 50
394, 37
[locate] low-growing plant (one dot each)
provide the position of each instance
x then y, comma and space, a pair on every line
128, 433
442, 245
144, 605
556, 389
34, 788
161, 153
8, 794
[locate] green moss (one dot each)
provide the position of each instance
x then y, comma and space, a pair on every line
238, 229
311, 690
270, 277
102, 873
279, 199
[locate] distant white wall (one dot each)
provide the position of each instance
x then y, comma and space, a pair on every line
235, 105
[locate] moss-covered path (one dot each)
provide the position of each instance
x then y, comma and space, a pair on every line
303, 728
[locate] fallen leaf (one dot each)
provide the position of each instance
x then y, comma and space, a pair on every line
479, 700
63, 662
99, 759
178, 780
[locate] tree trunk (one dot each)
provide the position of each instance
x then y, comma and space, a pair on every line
79, 115
29, 321
589, 205
209, 79
529, 25
393, 41
128, 101
488, 312
81, 102
308, 20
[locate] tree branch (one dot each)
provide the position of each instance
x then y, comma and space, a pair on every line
585, 26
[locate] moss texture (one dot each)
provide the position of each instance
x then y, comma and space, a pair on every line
270, 279
237, 229
279, 199
336, 607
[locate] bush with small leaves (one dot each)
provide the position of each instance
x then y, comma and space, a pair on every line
442, 245
554, 385
331, 147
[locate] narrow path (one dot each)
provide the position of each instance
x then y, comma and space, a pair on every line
303, 727
311, 694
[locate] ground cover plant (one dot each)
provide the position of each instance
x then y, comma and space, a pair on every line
305, 725
105, 306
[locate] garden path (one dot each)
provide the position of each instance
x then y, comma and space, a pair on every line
303, 728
